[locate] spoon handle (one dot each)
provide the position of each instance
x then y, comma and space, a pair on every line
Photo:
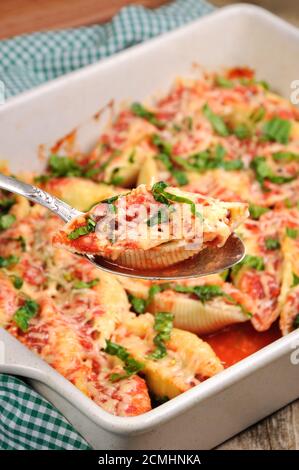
37, 195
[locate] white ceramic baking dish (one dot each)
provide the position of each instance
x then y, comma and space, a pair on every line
246, 392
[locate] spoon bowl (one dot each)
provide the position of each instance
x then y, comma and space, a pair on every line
208, 261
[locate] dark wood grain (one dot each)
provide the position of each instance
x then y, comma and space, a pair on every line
25, 16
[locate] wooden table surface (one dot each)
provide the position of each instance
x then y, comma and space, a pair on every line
281, 430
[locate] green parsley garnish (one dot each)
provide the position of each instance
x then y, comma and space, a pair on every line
159, 193
209, 160
17, 282
216, 121
295, 280
224, 82
263, 172
292, 232
257, 211
24, 314
272, 243
250, 261
278, 130
131, 366
163, 326
8, 261
286, 157
6, 221
139, 110
85, 285
83, 230
242, 131
165, 156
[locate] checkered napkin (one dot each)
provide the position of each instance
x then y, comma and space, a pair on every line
27, 421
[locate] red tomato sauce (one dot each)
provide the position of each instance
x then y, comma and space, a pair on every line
236, 342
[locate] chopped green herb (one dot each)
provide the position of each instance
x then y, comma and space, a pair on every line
139, 305
164, 197
256, 211
263, 172
188, 122
242, 131
278, 130
204, 293
6, 221
296, 322
131, 366
272, 243
17, 282
224, 82
8, 261
115, 178
250, 261
63, 166
258, 114
85, 285
160, 217
6, 204
83, 230
165, 157
163, 326
295, 280
132, 155
24, 314
216, 121
139, 110
209, 160
224, 274
286, 157
292, 232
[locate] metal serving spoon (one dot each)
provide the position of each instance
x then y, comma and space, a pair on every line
208, 261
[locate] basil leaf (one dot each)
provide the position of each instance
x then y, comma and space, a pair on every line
6, 221
250, 261
8, 261
292, 232
85, 285
63, 166
272, 243
296, 322
160, 217
224, 82
204, 293
6, 204
131, 366
139, 110
139, 305
163, 326
83, 230
263, 172
242, 131
24, 314
165, 157
159, 193
286, 157
295, 280
278, 130
258, 114
17, 282
208, 160
256, 211
216, 121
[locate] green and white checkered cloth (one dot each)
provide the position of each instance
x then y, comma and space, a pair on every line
27, 421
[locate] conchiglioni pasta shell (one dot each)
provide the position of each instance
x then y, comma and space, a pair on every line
149, 173
192, 315
164, 255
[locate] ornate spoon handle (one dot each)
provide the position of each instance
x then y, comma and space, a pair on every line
37, 195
